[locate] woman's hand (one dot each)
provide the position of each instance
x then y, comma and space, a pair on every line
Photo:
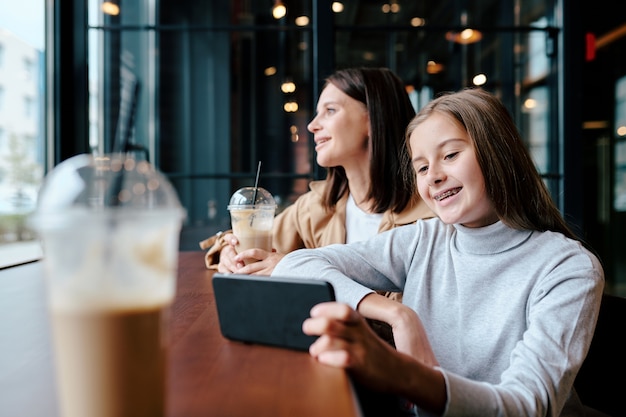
227, 255
260, 262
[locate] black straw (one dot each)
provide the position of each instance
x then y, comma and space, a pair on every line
124, 130
256, 183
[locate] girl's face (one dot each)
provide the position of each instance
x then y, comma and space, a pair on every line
340, 129
449, 178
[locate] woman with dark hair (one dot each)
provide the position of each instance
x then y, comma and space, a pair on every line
500, 299
369, 188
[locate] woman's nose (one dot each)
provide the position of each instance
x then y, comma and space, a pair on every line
313, 125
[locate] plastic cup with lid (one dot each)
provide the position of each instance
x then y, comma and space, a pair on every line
109, 227
252, 211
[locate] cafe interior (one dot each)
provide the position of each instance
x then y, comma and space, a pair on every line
225, 85
222, 87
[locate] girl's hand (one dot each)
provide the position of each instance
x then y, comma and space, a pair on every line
347, 341
408, 331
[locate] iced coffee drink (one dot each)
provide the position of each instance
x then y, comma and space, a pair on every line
111, 275
252, 218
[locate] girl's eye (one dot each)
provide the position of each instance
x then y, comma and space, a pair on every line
421, 169
330, 110
451, 155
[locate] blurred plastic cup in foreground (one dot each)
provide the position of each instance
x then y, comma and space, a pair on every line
110, 229
252, 212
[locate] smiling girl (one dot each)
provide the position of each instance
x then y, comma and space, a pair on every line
500, 298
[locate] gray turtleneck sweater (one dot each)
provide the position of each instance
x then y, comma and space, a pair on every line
509, 313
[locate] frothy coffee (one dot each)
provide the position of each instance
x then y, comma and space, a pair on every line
111, 362
110, 227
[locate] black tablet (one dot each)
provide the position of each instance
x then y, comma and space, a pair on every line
267, 310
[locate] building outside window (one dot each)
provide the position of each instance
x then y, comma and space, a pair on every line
21, 126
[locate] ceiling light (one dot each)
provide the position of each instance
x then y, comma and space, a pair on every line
110, 8
434, 67
288, 87
530, 103
302, 21
392, 7
279, 10
418, 21
290, 107
479, 79
337, 7
465, 37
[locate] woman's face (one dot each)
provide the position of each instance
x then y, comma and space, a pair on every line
449, 178
340, 129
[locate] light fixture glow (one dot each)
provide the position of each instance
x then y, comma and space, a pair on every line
337, 7
434, 67
479, 79
302, 20
417, 22
465, 37
288, 87
279, 10
369, 56
110, 8
392, 7
294, 133
530, 103
290, 107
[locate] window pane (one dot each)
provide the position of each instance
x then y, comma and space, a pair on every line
21, 125
212, 102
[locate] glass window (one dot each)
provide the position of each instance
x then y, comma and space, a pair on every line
619, 201
211, 103
21, 126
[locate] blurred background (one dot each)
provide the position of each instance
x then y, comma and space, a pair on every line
226, 84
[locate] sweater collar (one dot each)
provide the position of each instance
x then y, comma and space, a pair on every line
488, 240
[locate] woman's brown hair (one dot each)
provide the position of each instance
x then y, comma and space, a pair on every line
392, 183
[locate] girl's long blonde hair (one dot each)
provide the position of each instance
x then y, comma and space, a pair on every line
520, 197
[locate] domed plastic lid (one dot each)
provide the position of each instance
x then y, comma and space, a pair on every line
109, 183
249, 197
